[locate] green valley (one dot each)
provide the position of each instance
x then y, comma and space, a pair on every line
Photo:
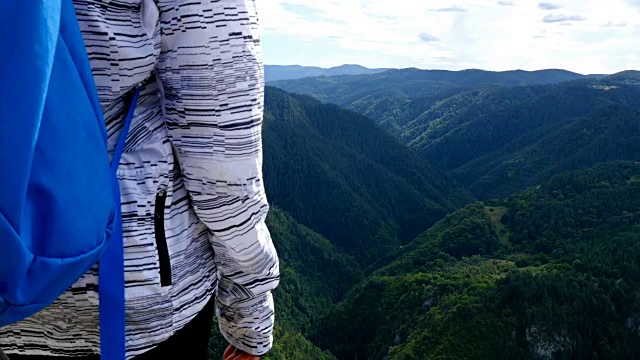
565, 286
496, 132
455, 215
344, 177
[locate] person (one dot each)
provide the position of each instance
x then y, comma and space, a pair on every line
193, 201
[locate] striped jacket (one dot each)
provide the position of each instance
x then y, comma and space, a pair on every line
193, 202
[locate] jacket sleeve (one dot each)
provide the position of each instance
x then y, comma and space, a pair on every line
212, 77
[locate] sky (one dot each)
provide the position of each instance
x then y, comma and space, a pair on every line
585, 36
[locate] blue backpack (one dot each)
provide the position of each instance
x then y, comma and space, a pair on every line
59, 196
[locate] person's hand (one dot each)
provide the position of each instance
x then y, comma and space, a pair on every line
236, 354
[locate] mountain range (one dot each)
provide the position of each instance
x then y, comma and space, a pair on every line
495, 137
415, 83
455, 215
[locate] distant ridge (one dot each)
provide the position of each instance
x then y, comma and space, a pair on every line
495, 132
291, 72
294, 72
346, 91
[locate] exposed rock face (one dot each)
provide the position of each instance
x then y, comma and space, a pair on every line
544, 343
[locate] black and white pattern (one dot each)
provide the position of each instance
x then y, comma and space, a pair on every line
195, 147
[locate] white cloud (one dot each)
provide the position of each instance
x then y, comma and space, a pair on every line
427, 37
611, 24
562, 18
392, 33
451, 9
548, 6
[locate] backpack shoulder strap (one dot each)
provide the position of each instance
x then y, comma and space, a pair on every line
111, 271
122, 139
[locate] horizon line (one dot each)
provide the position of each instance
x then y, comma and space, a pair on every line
461, 70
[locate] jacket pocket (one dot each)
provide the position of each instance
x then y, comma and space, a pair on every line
161, 239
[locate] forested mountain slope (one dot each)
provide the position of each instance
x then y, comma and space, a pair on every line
549, 273
346, 178
498, 139
505, 140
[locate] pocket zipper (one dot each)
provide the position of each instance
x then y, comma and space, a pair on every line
161, 239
